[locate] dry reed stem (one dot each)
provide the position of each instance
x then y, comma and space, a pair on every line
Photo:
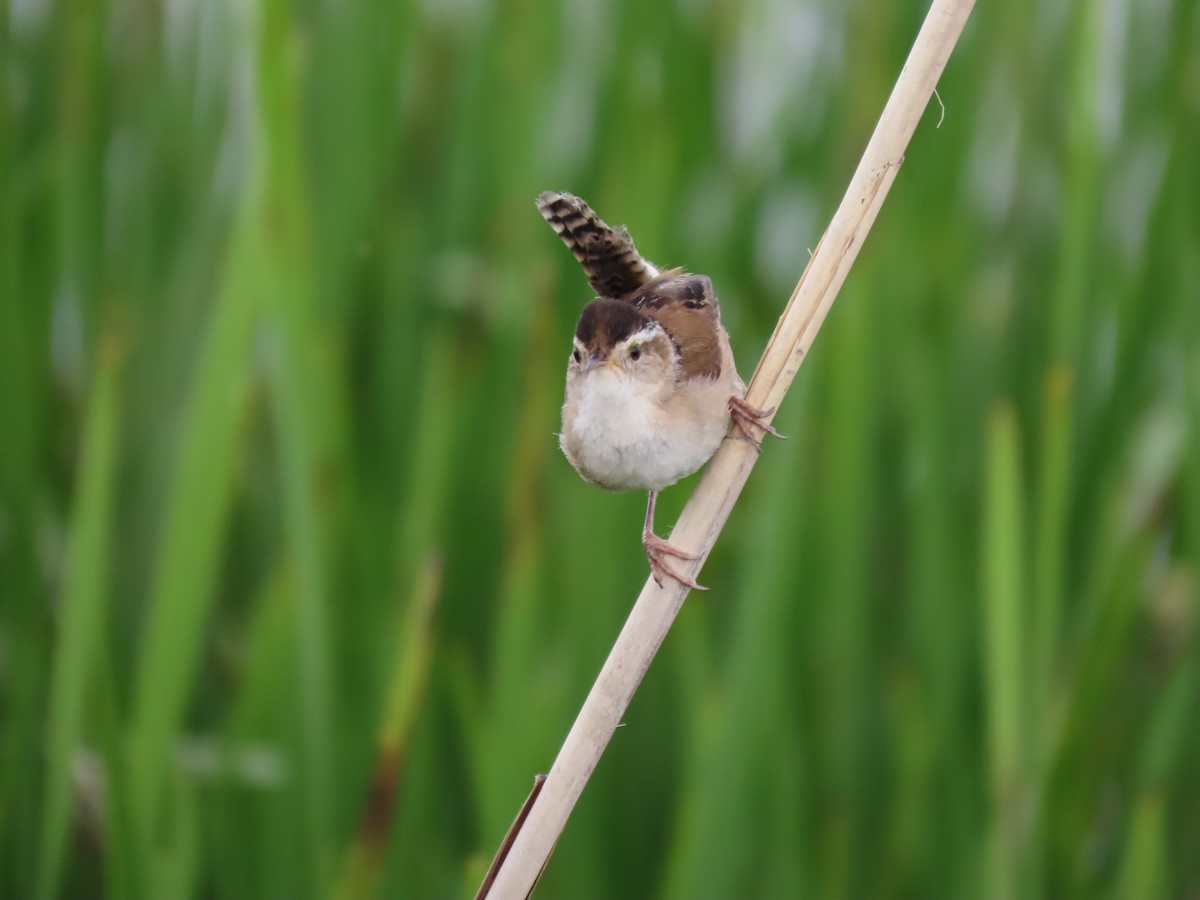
707, 510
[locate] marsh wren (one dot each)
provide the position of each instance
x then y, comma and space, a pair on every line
651, 382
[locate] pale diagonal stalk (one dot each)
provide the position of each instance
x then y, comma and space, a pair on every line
709, 507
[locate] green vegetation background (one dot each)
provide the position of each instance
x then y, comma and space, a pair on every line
297, 593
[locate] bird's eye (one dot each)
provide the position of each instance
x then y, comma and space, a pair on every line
635, 354
578, 356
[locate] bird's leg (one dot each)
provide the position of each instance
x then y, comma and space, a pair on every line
746, 417
657, 550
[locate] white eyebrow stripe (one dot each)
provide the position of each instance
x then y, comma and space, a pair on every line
646, 333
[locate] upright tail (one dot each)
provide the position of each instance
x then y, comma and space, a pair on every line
612, 263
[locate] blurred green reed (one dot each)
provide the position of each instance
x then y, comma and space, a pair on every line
297, 593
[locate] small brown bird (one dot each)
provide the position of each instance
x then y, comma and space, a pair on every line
651, 382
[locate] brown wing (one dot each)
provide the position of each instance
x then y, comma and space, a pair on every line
686, 307
612, 263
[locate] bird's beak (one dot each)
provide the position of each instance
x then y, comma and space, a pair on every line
597, 359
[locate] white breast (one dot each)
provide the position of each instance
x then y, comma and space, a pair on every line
621, 434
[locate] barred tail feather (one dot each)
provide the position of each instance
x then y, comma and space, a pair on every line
608, 256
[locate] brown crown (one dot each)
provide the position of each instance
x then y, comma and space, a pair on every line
605, 323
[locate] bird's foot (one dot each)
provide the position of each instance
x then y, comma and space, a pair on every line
746, 418
657, 551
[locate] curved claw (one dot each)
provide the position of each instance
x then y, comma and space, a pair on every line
656, 549
746, 418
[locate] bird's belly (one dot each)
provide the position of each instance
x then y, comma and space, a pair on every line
621, 442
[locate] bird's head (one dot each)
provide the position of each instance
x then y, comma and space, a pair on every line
614, 339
